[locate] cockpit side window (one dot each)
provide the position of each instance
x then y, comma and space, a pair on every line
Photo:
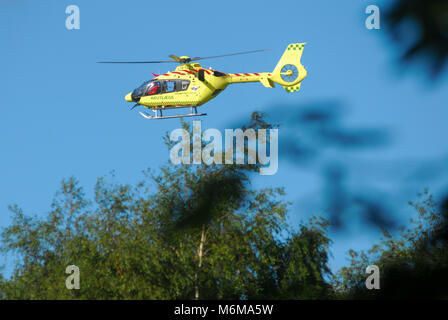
170, 86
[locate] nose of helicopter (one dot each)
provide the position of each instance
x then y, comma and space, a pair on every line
128, 97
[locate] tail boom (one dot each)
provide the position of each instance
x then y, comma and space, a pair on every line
263, 77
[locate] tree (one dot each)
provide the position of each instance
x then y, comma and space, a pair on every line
413, 264
188, 232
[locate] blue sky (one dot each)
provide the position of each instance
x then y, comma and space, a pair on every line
62, 114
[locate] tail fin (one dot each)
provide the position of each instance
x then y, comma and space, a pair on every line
289, 71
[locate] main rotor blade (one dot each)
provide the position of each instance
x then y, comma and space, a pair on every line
177, 59
230, 54
170, 61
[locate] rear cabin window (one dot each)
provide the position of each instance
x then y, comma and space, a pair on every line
184, 84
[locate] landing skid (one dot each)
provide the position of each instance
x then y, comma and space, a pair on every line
157, 116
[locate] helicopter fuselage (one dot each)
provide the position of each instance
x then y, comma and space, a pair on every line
189, 85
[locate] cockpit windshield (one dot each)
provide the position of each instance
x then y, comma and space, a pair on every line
147, 88
152, 87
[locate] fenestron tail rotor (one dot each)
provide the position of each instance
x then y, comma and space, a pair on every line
186, 59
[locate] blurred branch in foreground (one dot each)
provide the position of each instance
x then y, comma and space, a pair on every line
430, 41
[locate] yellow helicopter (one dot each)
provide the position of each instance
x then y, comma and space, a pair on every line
190, 85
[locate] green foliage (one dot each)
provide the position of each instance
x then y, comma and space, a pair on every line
188, 232
413, 264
